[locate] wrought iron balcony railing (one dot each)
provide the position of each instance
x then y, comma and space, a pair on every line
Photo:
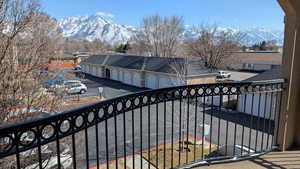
162, 128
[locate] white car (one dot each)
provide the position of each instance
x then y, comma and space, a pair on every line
224, 74
69, 82
70, 86
73, 88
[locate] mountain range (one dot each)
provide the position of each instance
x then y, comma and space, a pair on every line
101, 26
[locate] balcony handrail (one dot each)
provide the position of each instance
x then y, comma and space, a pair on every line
71, 111
159, 95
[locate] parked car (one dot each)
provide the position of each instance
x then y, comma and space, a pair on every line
77, 67
70, 86
224, 74
51, 83
73, 88
69, 82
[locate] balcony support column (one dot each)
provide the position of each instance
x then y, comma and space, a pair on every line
289, 126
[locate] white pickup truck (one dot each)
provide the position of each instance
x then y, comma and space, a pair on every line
224, 74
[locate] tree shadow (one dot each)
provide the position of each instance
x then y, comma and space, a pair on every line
243, 119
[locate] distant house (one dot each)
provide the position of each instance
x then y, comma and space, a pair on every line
254, 102
65, 61
149, 72
256, 61
82, 54
260, 66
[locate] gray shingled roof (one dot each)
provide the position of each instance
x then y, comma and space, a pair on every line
126, 61
273, 74
154, 64
95, 59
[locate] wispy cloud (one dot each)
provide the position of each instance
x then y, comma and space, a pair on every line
105, 14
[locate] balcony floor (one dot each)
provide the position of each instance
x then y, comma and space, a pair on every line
282, 160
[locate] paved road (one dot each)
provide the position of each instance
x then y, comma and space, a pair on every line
111, 88
240, 76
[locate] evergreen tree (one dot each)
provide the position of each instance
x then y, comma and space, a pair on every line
263, 46
123, 48
255, 47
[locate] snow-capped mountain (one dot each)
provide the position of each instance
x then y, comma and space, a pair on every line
256, 35
250, 36
97, 26
101, 26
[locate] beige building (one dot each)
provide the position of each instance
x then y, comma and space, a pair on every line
256, 61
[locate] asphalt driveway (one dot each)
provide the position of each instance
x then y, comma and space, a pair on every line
111, 88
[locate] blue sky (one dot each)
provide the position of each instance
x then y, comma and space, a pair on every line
230, 13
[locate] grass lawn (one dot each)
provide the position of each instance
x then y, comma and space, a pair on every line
168, 156
183, 157
82, 100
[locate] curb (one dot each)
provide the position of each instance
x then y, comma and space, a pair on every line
89, 102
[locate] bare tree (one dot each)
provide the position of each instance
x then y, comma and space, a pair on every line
96, 46
16, 16
159, 35
28, 39
25, 51
213, 45
181, 66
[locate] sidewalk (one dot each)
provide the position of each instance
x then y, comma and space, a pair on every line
282, 160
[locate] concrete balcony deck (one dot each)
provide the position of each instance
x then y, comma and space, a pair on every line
282, 160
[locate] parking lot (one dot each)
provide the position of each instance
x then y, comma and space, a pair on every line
222, 124
240, 76
110, 88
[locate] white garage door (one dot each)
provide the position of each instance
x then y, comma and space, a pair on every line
94, 71
176, 82
88, 69
151, 81
114, 74
127, 77
136, 79
164, 82
83, 68
99, 72
120, 75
